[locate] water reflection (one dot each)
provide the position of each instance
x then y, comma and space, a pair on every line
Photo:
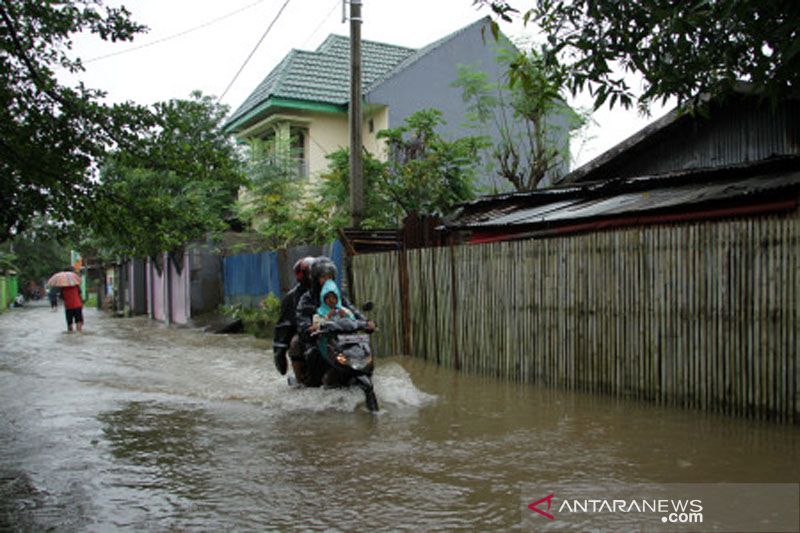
169, 442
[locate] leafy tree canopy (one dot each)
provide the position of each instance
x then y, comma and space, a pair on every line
273, 188
427, 174
380, 209
681, 49
50, 134
175, 184
424, 174
34, 254
532, 120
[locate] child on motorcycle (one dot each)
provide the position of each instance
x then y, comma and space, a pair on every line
329, 309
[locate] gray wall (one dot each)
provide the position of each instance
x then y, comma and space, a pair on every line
205, 278
427, 83
137, 301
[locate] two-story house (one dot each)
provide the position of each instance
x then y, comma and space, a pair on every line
304, 100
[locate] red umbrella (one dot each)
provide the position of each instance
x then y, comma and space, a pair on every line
64, 279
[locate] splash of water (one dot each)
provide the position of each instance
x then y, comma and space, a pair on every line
393, 387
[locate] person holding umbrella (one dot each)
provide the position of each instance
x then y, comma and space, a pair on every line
70, 283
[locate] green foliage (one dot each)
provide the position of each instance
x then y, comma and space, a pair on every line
271, 305
8, 261
427, 174
177, 184
273, 189
527, 111
380, 211
681, 49
91, 300
51, 135
258, 320
34, 255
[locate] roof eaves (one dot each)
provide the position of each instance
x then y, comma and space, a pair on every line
645, 134
707, 177
284, 103
630, 143
262, 92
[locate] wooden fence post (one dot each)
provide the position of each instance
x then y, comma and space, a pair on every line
405, 308
454, 302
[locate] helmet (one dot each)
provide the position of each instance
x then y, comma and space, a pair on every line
301, 269
322, 266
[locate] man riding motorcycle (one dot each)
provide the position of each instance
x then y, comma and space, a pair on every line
286, 340
322, 270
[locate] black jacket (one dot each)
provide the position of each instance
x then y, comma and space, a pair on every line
286, 327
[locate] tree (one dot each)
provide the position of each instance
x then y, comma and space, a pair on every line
425, 173
278, 206
272, 190
681, 49
380, 210
177, 183
52, 135
34, 254
527, 111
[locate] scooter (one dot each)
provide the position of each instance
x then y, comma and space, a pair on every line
349, 359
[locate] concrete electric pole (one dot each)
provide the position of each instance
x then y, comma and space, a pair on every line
356, 122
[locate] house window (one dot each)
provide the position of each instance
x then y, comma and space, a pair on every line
289, 147
299, 151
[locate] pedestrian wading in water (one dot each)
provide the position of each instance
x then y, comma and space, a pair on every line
73, 307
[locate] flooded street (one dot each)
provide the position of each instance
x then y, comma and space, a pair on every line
136, 426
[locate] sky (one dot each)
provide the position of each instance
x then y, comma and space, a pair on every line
201, 44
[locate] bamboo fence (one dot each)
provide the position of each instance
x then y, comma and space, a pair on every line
701, 316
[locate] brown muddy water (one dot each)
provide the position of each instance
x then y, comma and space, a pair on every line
140, 427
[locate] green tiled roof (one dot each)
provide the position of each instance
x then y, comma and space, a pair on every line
321, 76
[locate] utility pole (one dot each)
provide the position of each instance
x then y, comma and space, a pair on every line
356, 122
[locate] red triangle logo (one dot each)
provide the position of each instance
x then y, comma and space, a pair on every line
534, 506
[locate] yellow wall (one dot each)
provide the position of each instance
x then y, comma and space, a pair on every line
327, 132
380, 121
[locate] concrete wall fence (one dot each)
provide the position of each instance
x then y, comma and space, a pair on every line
167, 279
702, 315
9, 288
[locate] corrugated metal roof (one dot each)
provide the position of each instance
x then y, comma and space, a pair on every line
613, 199
743, 127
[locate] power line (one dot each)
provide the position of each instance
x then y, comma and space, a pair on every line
175, 35
328, 16
271, 24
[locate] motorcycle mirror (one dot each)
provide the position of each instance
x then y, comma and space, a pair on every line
368, 306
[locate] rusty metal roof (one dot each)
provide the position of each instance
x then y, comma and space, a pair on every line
631, 196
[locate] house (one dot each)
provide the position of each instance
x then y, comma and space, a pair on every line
741, 157
304, 99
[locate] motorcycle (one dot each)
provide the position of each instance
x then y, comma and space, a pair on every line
349, 361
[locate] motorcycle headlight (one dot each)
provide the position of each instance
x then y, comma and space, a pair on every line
360, 364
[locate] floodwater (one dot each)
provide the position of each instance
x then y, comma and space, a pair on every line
135, 426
